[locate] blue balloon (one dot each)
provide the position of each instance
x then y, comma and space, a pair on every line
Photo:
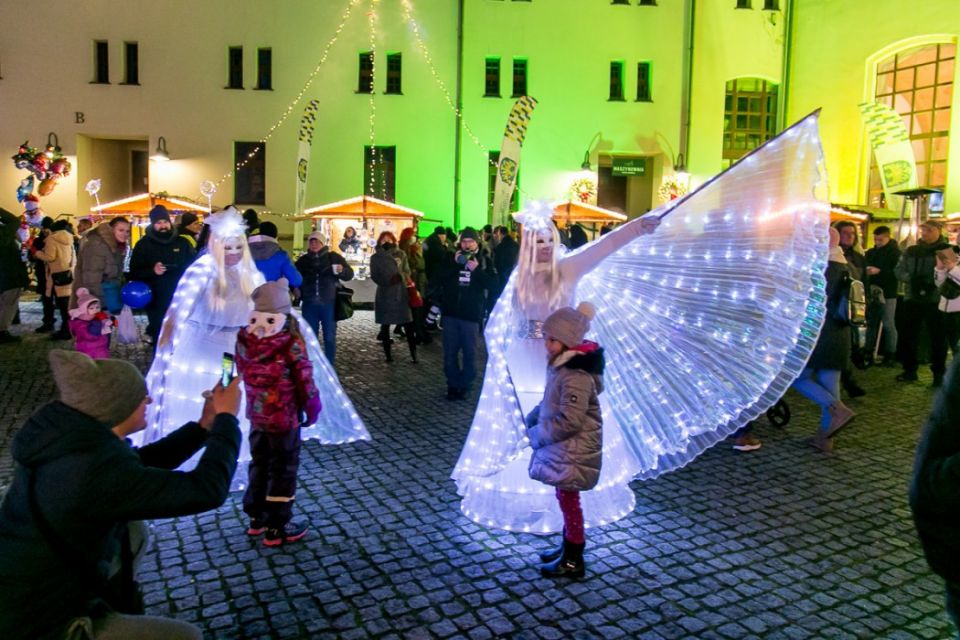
136, 295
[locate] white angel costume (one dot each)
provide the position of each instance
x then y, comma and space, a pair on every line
202, 324
705, 324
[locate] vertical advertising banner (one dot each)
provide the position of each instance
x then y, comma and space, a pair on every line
307, 123
891, 146
509, 163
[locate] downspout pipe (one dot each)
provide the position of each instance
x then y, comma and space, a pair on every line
686, 87
787, 60
458, 133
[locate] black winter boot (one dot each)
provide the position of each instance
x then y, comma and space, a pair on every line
569, 565
386, 350
556, 552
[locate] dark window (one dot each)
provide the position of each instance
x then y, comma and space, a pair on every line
492, 78
492, 167
250, 175
265, 69
616, 80
394, 68
379, 172
519, 77
235, 68
620, 2
771, 5
648, 3
643, 82
139, 171
101, 62
749, 116
365, 74
743, 4
131, 63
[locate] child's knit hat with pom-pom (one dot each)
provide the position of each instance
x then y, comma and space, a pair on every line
84, 300
569, 325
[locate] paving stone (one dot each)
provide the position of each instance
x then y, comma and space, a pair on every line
778, 543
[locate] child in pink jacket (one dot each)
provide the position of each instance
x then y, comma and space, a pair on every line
90, 326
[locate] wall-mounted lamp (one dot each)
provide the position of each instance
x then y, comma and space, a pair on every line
585, 165
53, 145
680, 168
161, 155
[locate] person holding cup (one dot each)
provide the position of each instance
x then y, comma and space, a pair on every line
322, 271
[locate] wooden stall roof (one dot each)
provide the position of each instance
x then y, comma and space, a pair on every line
571, 211
361, 207
861, 213
142, 203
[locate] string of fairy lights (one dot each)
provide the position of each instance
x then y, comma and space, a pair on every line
293, 104
372, 21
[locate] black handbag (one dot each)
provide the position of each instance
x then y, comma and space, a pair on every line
62, 278
343, 304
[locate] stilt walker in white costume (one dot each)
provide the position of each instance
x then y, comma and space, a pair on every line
706, 320
211, 304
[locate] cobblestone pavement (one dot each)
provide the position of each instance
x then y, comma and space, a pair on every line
783, 542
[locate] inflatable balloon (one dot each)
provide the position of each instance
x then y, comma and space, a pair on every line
46, 185
136, 295
25, 188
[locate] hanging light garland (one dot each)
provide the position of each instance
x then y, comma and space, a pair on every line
293, 104
372, 25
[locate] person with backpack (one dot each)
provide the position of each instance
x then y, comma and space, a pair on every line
820, 379
857, 268
947, 278
882, 283
322, 271
916, 269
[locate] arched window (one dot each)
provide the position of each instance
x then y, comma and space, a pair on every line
749, 116
918, 84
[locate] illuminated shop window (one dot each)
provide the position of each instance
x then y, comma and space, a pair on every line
365, 73
491, 84
265, 69
235, 68
519, 77
918, 84
616, 80
643, 82
749, 116
394, 68
379, 172
131, 63
101, 62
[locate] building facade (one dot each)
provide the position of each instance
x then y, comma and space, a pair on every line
628, 91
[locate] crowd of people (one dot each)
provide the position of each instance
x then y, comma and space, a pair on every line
228, 287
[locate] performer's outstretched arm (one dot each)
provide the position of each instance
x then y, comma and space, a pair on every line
581, 262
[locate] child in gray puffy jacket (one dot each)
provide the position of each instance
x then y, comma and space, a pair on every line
565, 430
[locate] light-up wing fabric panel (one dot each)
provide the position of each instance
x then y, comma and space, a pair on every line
708, 321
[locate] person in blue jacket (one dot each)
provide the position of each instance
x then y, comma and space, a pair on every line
273, 262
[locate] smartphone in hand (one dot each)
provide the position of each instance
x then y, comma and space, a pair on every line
228, 369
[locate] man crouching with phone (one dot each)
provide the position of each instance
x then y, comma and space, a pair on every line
77, 484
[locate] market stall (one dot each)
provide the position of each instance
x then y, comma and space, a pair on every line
369, 217
590, 217
137, 209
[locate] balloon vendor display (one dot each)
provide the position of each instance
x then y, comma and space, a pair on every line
46, 166
136, 295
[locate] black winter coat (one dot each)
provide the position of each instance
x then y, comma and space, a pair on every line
13, 272
505, 256
916, 269
885, 258
832, 351
319, 281
935, 489
435, 254
856, 264
464, 291
174, 251
88, 482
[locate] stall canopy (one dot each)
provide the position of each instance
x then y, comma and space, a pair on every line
141, 204
571, 212
361, 207
861, 213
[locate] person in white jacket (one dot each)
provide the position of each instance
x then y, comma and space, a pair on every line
947, 278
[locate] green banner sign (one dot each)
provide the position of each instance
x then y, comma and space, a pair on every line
629, 166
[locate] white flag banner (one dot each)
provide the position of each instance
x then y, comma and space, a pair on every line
509, 163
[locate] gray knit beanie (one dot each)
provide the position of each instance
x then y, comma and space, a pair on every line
569, 325
108, 390
272, 297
